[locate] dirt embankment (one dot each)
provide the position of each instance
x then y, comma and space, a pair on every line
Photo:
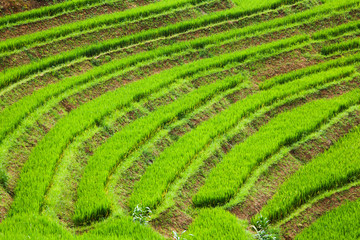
15, 6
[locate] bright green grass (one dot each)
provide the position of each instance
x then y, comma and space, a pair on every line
154, 183
336, 167
216, 223
32, 226
342, 223
284, 129
250, 4
92, 201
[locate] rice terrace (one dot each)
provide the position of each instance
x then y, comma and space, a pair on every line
180, 119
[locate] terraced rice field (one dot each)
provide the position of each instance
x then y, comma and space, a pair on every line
230, 119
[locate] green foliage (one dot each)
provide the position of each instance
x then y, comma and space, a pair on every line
16, 74
141, 214
12, 115
88, 24
249, 4
92, 201
262, 229
3, 176
121, 228
32, 226
216, 224
149, 190
341, 223
48, 11
336, 167
284, 129
336, 31
328, 65
38, 170
341, 47
95, 62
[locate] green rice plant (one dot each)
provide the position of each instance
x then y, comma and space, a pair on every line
24, 221
38, 170
352, 59
33, 226
293, 20
284, 129
88, 24
11, 116
121, 228
150, 189
249, 4
336, 31
81, 26
15, 74
335, 167
49, 11
234, 13
92, 201
342, 223
216, 223
341, 47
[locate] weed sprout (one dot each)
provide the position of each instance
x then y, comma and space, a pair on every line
141, 214
180, 237
262, 229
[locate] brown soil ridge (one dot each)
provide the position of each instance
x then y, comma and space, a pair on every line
58, 46
8, 7
66, 18
84, 66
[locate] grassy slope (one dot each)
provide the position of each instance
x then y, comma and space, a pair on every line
224, 224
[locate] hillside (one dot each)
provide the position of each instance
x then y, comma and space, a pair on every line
180, 119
